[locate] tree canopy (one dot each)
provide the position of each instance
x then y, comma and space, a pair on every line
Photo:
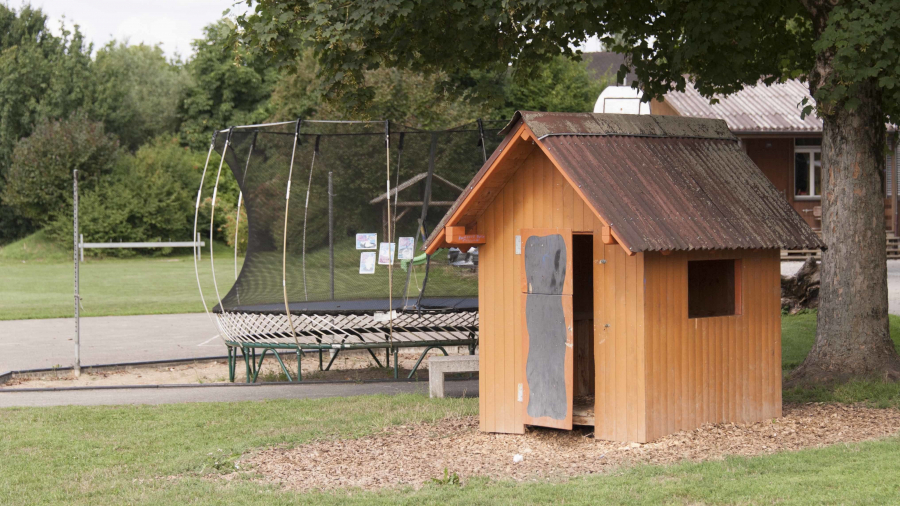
721, 45
51, 86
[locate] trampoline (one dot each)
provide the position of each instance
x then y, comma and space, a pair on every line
309, 281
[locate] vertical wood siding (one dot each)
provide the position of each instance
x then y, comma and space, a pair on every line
620, 393
720, 369
657, 371
537, 196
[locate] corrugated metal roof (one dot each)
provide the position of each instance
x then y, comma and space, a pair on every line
759, 108
680, 193
563, 123
664, 182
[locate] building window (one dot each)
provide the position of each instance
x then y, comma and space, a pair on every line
714, 288
807, 168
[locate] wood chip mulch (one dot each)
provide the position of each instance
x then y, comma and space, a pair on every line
414, 454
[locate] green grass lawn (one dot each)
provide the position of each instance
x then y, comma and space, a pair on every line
36, 280
168, 455
171, 454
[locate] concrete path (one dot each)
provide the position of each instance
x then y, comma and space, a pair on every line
893, 274
39, 344
228, 393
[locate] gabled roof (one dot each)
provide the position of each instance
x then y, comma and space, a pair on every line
659, 182
755, 109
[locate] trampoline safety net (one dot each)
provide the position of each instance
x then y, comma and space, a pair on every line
320, 217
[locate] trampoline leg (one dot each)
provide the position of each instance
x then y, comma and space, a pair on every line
246, 362
299, 372
422, 357
283, 368
374, 357
336, 351
387, 357
320, 359
232, 360
258, 367
396, 363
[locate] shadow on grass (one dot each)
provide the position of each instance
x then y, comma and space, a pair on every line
876, 394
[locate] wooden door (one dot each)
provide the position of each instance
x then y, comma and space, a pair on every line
547, 332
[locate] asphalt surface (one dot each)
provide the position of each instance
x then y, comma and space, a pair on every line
41, 344
229, 393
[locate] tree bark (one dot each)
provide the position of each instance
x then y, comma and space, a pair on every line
853, 338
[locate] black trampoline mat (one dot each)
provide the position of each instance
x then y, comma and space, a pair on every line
444, 304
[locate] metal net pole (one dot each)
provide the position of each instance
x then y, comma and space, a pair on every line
312, 167
387, 149
331, 231
77, 368
212, 218
212, 147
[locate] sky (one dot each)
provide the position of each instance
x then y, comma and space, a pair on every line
171, 23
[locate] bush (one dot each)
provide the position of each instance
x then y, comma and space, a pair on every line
150, 196
39, 182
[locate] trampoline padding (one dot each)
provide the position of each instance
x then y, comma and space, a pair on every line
366, 306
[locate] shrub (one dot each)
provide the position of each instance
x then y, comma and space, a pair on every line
39, 182
150, 196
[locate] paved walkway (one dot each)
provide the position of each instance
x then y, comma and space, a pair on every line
228, 393
39, 344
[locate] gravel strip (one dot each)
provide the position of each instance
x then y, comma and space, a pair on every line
414, 454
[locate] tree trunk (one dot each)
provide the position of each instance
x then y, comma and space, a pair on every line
853, 338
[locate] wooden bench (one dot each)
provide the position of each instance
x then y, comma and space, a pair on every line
439, 366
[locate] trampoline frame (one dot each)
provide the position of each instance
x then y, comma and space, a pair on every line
244, 346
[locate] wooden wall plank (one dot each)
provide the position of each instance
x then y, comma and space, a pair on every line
558, 214
601, 345
618, 269
487, 309
510, 297
650, 357
483, 325
578, 222
519, 219
677, 342
775, 260
665, 365
630, 311
639, 337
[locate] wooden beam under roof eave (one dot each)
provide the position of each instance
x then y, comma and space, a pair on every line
520, 146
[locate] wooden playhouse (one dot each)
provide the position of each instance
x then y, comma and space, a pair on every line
629, 275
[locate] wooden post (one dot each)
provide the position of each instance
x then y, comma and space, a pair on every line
77, 366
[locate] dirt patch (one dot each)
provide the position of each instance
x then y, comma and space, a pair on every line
414, 454
349, 365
